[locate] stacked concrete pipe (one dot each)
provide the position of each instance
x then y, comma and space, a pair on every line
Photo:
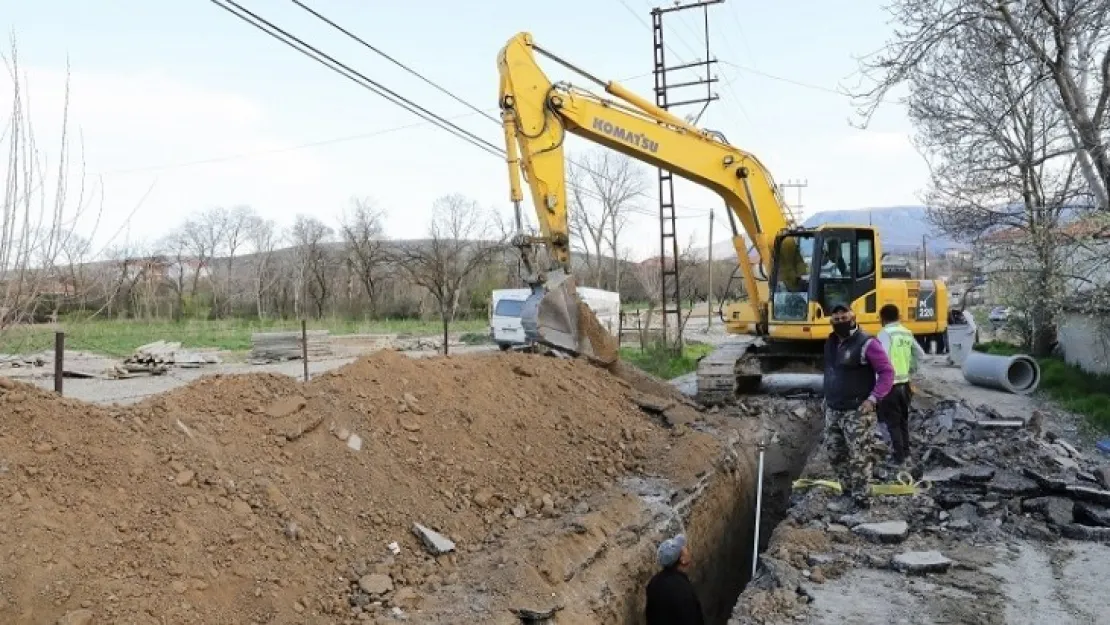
1018, 374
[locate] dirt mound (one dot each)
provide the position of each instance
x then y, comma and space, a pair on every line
255, 498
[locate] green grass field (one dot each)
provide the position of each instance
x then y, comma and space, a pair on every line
121, 337
1075, 390
664, 363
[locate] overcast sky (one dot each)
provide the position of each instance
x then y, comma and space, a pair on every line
181, 106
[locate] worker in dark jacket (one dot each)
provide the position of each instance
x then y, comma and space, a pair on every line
858, 375
671, 599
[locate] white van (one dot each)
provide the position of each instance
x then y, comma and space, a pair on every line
506, 304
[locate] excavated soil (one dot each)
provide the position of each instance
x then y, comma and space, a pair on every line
258, 499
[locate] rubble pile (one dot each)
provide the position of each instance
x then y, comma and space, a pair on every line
353, 497
158, 357
267, 347
16, 361
983, 479
986, 471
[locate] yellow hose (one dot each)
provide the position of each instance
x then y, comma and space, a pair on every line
904, 484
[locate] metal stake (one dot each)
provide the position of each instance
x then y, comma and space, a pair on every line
59, 360
758, 507
304, 347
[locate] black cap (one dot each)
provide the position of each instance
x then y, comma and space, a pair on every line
841, 308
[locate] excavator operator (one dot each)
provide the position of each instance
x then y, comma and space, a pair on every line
834, 265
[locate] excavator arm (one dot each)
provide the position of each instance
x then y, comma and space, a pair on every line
537, 114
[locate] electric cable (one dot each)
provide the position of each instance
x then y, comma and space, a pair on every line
389, 58
393, 97
358, 78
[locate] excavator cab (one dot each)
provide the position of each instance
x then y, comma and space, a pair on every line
816, 270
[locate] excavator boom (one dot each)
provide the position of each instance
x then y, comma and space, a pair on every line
806, 271
537, 114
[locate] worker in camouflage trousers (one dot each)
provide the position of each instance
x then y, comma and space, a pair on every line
858, 375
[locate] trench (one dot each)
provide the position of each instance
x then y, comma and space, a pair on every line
718, 518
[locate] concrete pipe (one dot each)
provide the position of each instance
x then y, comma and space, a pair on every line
792, 383
1018, 374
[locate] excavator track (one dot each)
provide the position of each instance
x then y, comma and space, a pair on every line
737, 366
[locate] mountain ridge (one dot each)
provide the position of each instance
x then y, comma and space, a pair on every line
901, 229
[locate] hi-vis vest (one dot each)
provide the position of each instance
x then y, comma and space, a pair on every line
901, 351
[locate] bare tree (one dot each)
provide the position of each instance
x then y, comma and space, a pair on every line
236, 226
1067, 43
177, 248
605, 187
1001, 159
263, 238
364, 237
315, 268
586, 221
38, 212
458, 245
202, 236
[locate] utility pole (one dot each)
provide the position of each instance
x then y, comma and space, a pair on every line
671, 295
709, 294
924, 259
796, 213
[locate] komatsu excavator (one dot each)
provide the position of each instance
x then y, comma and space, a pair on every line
801, 275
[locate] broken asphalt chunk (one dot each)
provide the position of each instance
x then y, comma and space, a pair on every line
885, 532
1051, 485
1076, 531
939, 476
921, 562
1084, 493
1090, 514
976, 473
1102, 474
1012, 484
1055, 510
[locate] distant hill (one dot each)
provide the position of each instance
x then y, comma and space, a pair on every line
900, 227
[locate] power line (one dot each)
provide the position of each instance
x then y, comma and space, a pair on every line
393, 60
331, 63
291, 148
432, 83
798, 83
393, 97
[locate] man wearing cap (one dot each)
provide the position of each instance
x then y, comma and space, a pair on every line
671, 598
858, 375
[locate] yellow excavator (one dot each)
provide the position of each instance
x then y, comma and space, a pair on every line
802, 272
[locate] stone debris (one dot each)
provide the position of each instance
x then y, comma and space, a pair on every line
375, 584
532, 615
437, 544
269, 347
985, 480
920, 562
1102, 474
354, 442
885, 532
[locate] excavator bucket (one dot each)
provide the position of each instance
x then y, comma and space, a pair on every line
556, 317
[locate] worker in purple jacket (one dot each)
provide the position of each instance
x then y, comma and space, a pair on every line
858, 375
